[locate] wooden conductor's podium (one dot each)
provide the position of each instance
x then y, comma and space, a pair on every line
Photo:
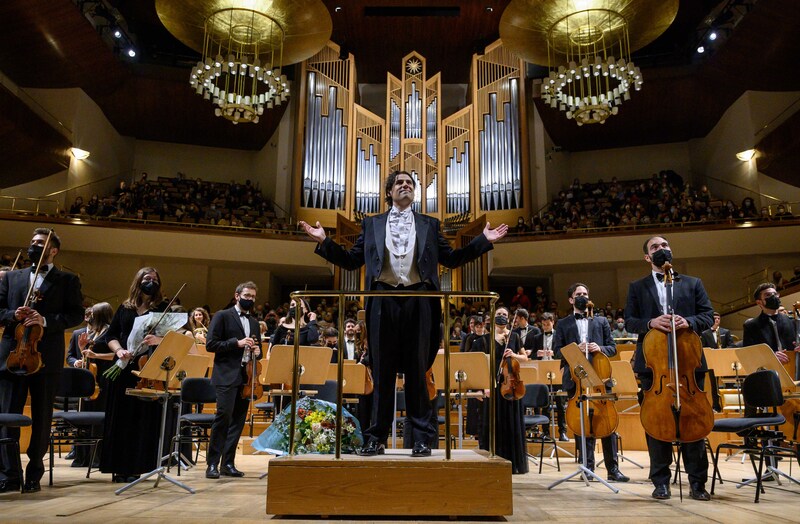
470, 484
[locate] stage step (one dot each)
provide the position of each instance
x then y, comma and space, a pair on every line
469, 485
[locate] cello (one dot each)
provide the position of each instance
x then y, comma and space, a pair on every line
675, 408
600, 414
25, 358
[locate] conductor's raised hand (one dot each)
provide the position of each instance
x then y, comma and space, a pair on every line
493, 235
317, 233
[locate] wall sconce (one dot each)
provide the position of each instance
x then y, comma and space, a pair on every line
746, 155
79, 154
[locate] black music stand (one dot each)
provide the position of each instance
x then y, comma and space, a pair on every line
470, 372
167, 357
591, 379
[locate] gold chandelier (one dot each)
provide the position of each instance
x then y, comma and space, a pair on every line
241, 67
587, 46
244, 46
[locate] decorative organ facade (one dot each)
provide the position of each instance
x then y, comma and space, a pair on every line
470, 165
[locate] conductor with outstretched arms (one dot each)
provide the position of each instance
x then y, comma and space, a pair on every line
402, 251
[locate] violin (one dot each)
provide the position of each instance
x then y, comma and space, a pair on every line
92, 367
600, 414
430, 384
675, 408
25, 358
511, 385
253, 389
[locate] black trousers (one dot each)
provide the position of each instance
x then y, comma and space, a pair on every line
400, 333
13, 394
694, 459
228, 424
609, 451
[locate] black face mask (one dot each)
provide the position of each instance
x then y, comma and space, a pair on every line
245, 304
581, 302
661, 257
501, 320
35, 253
291, 314
772, 302
149, 288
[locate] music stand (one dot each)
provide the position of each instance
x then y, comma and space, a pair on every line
626, 388
578, 362
549, 373
192, 366
167, 357
470, 372
758, 357
313, 362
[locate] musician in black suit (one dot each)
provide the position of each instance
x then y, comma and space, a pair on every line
593, 336
234, 338
402, 250
543, 350
60, 307
715, 336
645, 310
764, 328
527, 332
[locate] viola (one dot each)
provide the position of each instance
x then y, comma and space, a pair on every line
430, 383
92, 367
511, 385
675, 408
253, 389
148, 383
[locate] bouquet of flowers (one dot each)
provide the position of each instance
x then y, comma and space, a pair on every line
315, 430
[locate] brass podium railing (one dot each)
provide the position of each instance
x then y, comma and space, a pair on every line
493, 297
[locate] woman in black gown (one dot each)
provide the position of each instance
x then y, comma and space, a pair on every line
132, 425
309, 331
509, 414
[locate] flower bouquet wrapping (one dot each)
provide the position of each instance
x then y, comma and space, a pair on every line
315, 430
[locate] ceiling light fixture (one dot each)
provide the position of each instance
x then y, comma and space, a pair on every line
78, 153
746, 155
588, 47
244, 45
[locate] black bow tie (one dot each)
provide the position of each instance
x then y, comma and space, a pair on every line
42, 269
579, 316
548, 333
660, 276
244, 314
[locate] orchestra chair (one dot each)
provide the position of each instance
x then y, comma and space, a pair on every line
537, 399
13, 420
196, 425
75, 427
761, 389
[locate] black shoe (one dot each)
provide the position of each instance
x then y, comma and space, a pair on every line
212, 472
698, 492
562, 436
421, 450
70, 455
661, 492
31, 486
371, 449
615, 475
229, 470
9, 485
78, 463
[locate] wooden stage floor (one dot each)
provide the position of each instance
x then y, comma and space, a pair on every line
75, 499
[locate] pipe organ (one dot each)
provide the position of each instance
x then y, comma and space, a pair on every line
471, 163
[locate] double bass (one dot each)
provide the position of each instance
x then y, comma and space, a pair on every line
675, 408
599, 414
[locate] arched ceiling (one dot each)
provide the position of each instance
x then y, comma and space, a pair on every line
50, 44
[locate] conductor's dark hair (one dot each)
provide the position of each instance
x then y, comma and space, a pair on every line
390, 180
